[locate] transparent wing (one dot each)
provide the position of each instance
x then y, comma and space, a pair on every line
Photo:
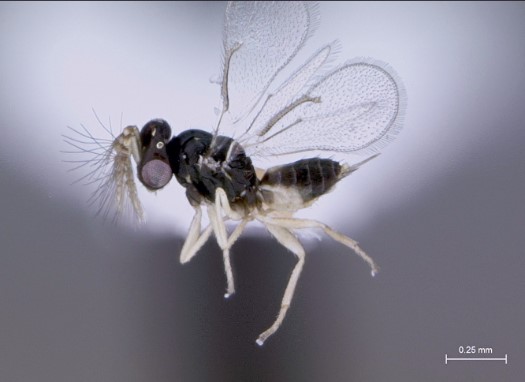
358, 107
260, 39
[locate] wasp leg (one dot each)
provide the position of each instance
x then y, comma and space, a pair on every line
295, 223
195, 239
221, 202
214, 213
237, 232
287, 239
221, 199
225, 242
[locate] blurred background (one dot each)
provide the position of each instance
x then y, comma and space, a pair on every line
442, 210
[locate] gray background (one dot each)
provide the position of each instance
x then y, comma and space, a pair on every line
441, 210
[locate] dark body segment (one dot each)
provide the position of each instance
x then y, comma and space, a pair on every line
310, 177
202, 169
154, 169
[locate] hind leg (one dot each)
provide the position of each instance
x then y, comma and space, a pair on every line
296, 223
287, 239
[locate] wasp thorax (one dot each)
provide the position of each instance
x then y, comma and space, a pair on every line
154, 170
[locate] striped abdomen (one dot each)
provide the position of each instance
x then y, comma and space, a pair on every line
294, 185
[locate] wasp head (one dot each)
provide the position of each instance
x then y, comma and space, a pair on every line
154, 169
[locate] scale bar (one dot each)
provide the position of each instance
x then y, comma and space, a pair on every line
476, 359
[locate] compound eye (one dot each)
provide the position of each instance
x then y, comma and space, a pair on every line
156, 174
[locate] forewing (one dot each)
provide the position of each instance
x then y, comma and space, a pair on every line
260, 39
357, 107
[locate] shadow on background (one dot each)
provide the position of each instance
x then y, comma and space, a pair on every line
86, 301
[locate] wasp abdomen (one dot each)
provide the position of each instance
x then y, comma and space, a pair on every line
306, 179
